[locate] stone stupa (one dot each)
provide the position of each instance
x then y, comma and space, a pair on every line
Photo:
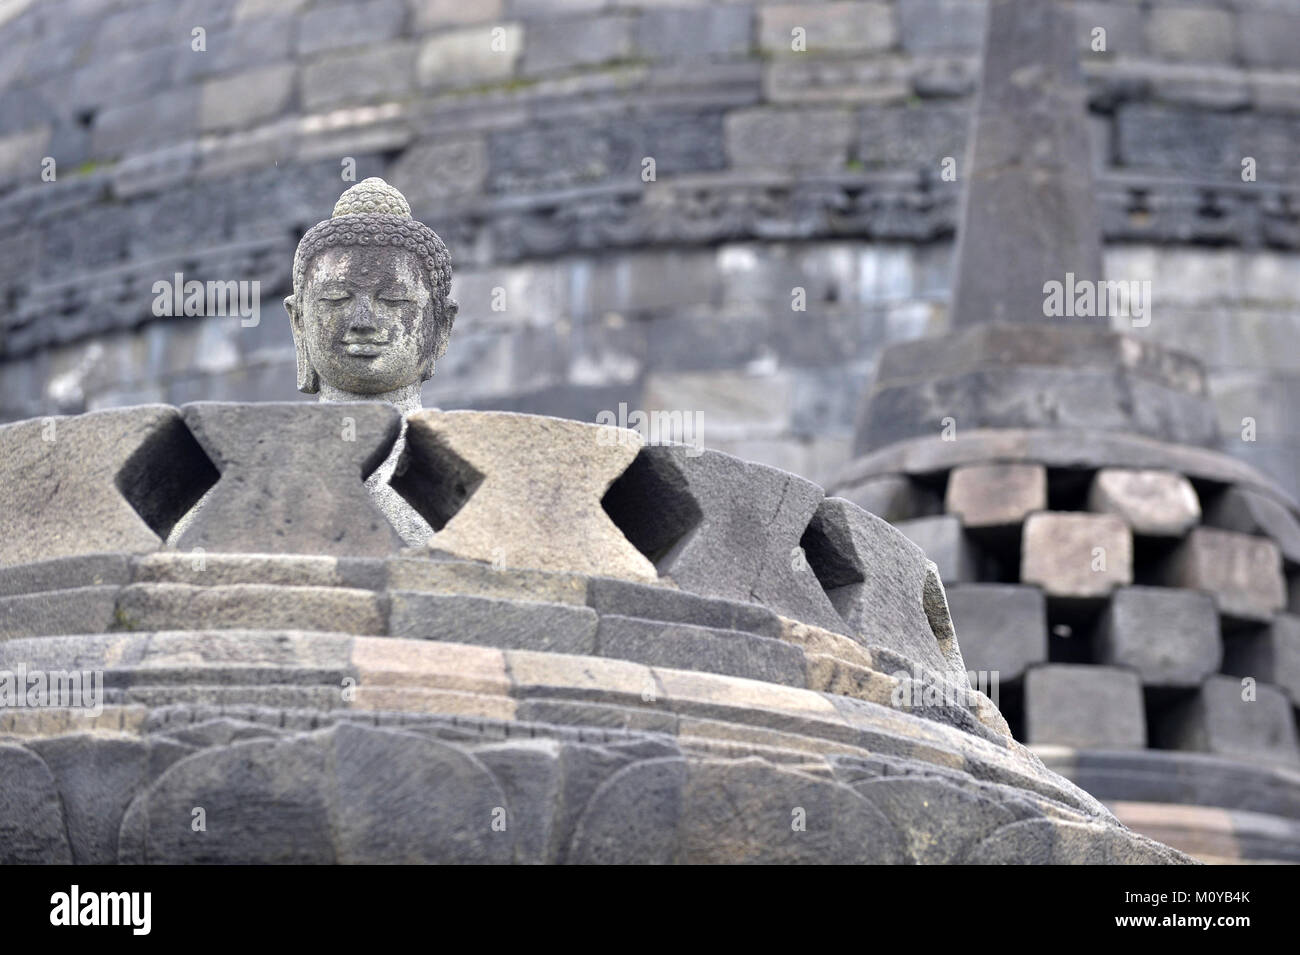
599, 652
1128, 582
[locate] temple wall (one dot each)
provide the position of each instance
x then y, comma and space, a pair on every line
774, 170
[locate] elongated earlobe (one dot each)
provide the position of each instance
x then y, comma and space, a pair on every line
308, 380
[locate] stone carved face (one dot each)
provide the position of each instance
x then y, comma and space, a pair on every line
366, 320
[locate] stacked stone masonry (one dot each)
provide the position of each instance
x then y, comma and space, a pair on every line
785, 648
1147, 604
775, 170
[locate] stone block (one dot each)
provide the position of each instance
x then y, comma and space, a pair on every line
693, 32
249, 606
1151, 502
246, 98
1086, 707
31, 815
1269, 655
69, 482
138, 126
1265, 37
883, 586
996, 495
1169, 637
372, 74
718, 526
292, 478
492, 622
57, 612
836, 27
1229, 719
1246, 511
812, 140
485, 580
893, 497
682, 646
1199, 34
624, 598
469, 57
521, 491
944, 542
1076, 555
1244, 573
838, 81
941, 26
1001, 627
91, 570
431, 14
349, 24
563, 43
898, 138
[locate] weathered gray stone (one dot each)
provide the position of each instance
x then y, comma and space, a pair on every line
893, 497
693, 32
488, 621
1060, 448
1244, 573
97, 779
996, 495
1076, 555
711, 833
203, 569
1030, 397
291, 478
1088, 707
255, 606
1270, 655
1199, 34
721, 527
91, 570
1001, 627
1155, 503
32, 829
1248, 511
933, 26
944, 542
65, 478
484, 580
707, 649
522, 491
1238, 718
246, 98
800, 139
627, 599
380, 73
828, 27
555, 44
75, 610
1030, 164
321, 797
1169, 637
349, 24
883, 586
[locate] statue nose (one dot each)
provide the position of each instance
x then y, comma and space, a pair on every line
363, 316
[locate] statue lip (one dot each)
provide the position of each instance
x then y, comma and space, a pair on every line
366, 349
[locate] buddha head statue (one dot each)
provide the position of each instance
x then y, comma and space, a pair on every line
371, 308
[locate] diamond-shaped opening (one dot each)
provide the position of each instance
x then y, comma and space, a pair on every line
166, 476
830, 555
652, 505
433, 478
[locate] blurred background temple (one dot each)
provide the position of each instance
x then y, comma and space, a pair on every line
519, 129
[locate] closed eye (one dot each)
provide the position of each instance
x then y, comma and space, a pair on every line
394, 301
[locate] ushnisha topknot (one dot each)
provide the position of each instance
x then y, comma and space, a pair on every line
374, 213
